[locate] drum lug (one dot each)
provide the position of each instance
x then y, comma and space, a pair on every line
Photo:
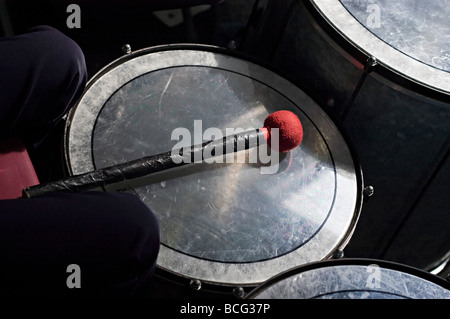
331, 102
368, 191
126, 49
338, 254
371, 62
232, 45
239, 292
195, 284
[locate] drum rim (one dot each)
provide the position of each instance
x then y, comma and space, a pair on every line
391, 265
387, 67
358, 173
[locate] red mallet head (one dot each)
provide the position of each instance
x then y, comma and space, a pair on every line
290, 129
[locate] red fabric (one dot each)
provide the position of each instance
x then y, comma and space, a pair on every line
16, 169
290, 129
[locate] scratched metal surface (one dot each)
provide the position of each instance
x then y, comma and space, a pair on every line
353, 281
420, 29
410, 39
224, 222
224, 212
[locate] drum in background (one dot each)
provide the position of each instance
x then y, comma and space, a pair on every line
353, 279
223, 225
382, 68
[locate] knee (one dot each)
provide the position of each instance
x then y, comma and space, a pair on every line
129, 240
62, 55
57, 71
140, 256
138, 221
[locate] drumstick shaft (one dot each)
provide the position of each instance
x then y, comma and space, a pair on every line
150, 164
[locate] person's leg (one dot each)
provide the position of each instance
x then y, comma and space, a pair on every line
113, 238
42, 75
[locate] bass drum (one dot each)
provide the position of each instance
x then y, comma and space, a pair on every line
223, 225
353, 279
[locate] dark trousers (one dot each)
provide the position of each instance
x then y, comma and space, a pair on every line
105, 242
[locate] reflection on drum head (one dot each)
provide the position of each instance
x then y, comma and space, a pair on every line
222, 222
353, 279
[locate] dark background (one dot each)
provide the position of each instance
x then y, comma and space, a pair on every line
401, 138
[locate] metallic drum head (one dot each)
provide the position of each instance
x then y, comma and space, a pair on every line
411, 38
419, 29
224, 223
353, 279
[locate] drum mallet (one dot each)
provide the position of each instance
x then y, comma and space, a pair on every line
290, 132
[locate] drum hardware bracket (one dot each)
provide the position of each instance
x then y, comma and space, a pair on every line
195, 284
232, 45
368, 191
371, 62
338, 254
369, 65
331, 102
239, 292
126, 49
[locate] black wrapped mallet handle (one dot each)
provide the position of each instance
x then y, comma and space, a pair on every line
150, 164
